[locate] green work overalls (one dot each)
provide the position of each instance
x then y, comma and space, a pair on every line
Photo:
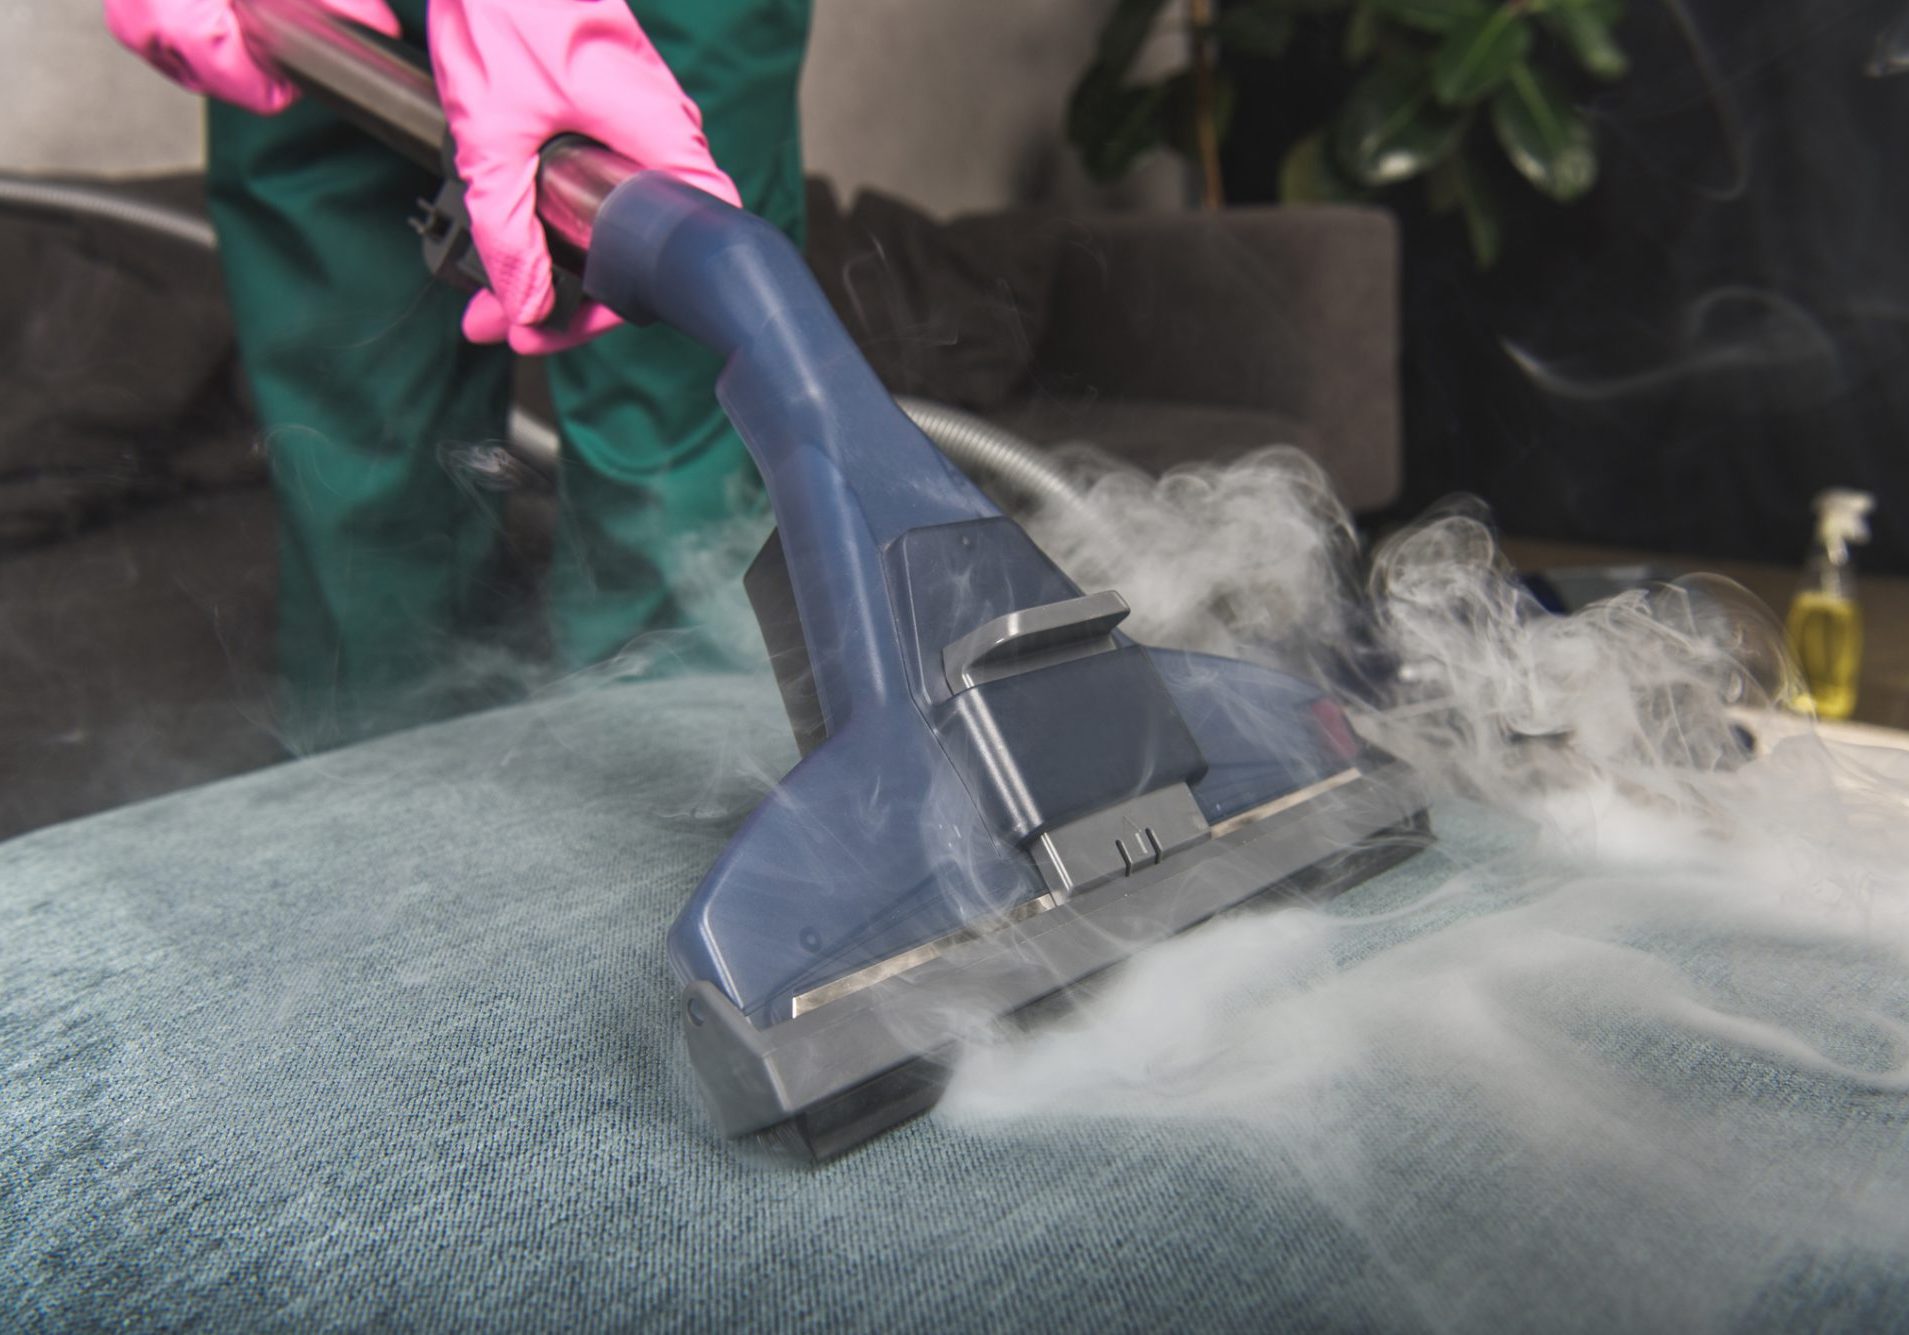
388, 567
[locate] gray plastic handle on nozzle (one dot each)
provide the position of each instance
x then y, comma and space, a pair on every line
845, 470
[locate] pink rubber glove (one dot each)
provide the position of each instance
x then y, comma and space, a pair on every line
198, 44
515, 74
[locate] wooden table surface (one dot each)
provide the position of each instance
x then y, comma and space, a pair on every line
1882, 695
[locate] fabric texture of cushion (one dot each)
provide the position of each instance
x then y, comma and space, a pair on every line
386, 1038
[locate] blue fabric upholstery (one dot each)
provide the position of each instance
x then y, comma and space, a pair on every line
386, 1038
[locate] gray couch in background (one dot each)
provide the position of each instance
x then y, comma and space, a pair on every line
1162, 338
136, 533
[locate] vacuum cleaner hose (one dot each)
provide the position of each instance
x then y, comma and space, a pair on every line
980, 448
983, 450
60, 199
977, 446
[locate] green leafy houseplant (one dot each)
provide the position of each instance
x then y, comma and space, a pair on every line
1435, 84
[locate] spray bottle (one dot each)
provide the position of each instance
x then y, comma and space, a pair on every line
1825, 625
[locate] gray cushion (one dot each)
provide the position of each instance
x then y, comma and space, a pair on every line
136, 657
118, 378
1290, 309
1154, 434
945, 310
387, 1038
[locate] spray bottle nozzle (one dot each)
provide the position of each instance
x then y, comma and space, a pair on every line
1842, 518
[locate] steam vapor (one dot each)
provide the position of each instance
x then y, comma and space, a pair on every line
1632, 1040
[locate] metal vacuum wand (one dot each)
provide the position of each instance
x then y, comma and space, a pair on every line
380, 86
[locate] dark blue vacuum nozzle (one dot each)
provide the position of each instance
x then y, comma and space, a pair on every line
1000, 793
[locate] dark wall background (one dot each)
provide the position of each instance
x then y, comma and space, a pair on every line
1721, 329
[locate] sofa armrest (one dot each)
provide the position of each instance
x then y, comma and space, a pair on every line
1293, 310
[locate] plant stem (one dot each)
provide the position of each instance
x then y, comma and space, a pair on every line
1205, 129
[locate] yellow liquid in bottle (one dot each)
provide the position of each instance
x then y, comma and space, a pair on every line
1826, 635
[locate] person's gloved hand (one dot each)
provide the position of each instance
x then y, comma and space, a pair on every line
199, 45
514, 74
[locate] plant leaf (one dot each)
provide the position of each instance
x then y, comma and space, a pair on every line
1543, 135
1430, 15
1125, 32
1390, 128
1264, 31
1307, 175
1478, 54
1110, 124
1585, 27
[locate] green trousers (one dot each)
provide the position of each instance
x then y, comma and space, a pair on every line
389, 567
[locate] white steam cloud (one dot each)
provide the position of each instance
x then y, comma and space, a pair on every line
1629, 1047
